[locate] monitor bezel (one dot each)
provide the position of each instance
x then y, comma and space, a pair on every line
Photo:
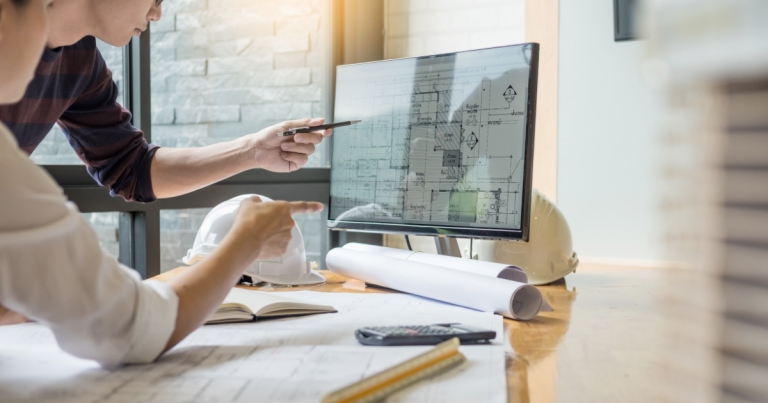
459, 231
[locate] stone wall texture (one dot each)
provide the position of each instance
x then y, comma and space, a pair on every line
224, 68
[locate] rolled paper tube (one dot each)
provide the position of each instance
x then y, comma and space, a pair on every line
499, 270
512, 299
505, 271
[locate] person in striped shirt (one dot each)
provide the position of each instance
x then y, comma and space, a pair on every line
52, 269
73, 87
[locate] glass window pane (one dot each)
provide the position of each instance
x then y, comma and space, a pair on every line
177, 235
178, 229
55, 148
222, 70
105, 225
315, 232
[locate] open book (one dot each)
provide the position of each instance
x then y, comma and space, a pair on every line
243, 305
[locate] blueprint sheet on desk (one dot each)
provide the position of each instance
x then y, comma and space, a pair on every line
286, 360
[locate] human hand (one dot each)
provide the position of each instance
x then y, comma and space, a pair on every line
265, 228
284, 153
260, 230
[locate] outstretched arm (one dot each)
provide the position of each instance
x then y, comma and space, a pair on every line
177, 171
117, 154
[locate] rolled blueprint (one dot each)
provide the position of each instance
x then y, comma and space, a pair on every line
491, 269
512, 299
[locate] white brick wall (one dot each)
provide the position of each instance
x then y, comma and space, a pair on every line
219, 65
208, 114
422, 27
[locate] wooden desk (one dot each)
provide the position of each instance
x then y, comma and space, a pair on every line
600, 344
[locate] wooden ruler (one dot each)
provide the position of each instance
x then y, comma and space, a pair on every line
444, 356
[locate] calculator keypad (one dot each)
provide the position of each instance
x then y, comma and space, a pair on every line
414, 330
422, 335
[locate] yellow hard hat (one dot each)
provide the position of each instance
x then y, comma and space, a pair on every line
547, 256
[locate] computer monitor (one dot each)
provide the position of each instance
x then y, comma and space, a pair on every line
445, 146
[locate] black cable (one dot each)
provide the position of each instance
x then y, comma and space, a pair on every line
470, 248
408, 242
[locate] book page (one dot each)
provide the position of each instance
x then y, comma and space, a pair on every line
263, 303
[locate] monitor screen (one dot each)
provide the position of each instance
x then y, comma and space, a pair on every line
445, 146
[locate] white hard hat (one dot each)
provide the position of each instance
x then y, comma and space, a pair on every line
292, 268
548, 255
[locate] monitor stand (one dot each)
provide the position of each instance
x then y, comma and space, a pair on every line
447, 246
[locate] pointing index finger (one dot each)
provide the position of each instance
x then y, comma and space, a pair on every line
305, 207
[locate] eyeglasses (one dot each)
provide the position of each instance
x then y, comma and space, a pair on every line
158, 3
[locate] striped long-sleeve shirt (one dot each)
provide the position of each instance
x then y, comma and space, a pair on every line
73, 87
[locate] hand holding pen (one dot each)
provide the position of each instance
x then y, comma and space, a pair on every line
286, 146
309, 129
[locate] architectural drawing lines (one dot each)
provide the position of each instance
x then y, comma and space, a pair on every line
436, 146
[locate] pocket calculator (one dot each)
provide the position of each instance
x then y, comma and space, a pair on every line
422, 335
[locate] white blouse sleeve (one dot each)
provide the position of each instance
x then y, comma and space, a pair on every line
52, 270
